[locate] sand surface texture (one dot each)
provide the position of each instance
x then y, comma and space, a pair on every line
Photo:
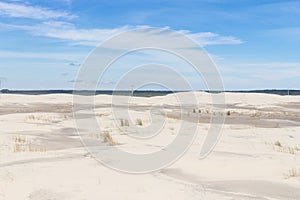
257, 156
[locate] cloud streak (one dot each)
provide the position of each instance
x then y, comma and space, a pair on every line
43, 55
92, 37
209, 38
17, 10
55, 25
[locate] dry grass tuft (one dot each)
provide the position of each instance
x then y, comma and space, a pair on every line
293, 173
31, 117
124, 122
173, 115
139, 122
22, 144
285, 149
45, 118
102, 114
107, 138
291, 150
277, 143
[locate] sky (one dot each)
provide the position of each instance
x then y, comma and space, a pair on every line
255, 44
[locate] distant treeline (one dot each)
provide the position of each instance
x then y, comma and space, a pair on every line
142, 93
279, 92
88, 92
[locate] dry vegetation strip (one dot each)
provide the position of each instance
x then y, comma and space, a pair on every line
278, 146
23, 144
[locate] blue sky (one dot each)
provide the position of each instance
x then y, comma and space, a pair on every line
254, 43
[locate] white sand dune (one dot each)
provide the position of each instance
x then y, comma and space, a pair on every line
257, 156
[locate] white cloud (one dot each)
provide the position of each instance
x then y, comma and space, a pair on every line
91, 37
209, 38
52, 28
17, 10
43, 55
67, 31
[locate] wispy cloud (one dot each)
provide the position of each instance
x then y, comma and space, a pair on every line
17, 10
209, 38
68, 31
54, 25
65, 56
91, 37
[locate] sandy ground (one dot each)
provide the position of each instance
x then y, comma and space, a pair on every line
257, 156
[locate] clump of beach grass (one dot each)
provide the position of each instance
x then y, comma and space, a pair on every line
107, 138
139, 122
278, 143
293, 173
228, 113
22, 144
173, 115
102, 114
285, 149
45, 118
124, 122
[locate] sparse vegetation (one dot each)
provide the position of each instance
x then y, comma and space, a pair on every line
139, 122
228, 113
173, 115
194, 110
285, 149
45, 118
22, 144
277, 143
102, 114
293, 173
291, 150
31, 117
124, 122
107, 138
